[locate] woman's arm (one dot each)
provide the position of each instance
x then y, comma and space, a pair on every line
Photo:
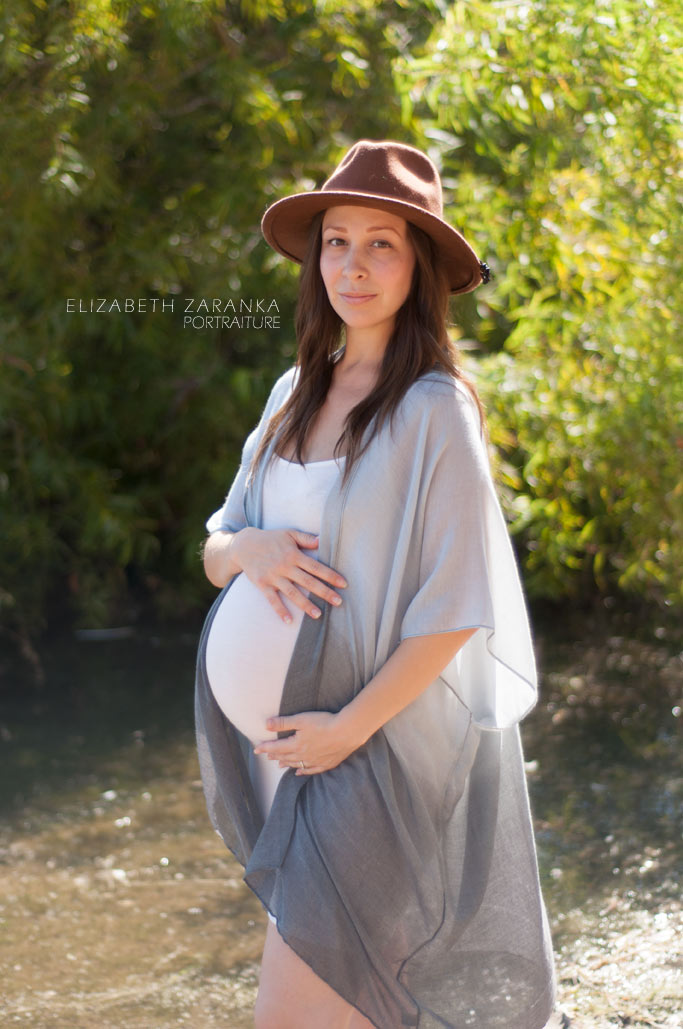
219, 564
322, 740
416, 662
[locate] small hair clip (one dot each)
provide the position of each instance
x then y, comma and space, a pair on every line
486, 273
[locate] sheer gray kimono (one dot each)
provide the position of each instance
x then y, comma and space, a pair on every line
405, 877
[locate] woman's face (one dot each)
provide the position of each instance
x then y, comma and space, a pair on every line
366, 262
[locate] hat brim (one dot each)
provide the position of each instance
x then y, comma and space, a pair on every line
286, 223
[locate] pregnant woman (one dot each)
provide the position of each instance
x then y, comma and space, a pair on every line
362, 673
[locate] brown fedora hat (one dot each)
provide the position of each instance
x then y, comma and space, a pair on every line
392, 177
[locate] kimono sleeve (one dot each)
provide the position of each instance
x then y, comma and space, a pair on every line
231, 516
468, 575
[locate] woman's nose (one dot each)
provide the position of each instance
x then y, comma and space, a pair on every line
354, 263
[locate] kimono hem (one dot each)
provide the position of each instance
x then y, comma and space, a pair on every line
406, 877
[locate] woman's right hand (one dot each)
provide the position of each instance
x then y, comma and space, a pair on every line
273, 559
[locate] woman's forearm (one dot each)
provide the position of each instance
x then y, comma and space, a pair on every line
416, 662
219, 558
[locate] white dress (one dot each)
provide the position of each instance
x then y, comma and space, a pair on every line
249, 647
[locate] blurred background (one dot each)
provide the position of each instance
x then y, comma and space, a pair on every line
141, 144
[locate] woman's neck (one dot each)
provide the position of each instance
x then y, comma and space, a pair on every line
361, 359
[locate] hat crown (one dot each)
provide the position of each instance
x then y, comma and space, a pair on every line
391, 170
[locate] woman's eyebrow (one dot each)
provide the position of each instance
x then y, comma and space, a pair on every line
373, 228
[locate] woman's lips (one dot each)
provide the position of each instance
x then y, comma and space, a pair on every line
357, 298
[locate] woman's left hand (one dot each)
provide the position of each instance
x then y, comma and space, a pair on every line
321, 741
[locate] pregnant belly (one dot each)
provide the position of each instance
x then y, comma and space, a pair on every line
248, 652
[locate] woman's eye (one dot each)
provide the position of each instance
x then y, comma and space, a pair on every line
333, 241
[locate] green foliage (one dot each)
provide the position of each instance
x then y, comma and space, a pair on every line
558, 130
141, 145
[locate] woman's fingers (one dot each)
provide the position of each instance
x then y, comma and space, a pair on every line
273, 597
307, 539
302, 572
320, 589
291, 592
275, 562
304, 539
324, 572
317, 739
285, 588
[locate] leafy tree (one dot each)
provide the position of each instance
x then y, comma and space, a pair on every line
142, 143
558, 129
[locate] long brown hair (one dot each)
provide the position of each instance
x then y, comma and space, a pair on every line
418, 343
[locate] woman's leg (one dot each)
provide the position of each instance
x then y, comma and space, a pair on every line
292, 996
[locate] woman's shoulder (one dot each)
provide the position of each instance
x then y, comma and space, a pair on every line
440, 410
440, 395
287, 380
281, 389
